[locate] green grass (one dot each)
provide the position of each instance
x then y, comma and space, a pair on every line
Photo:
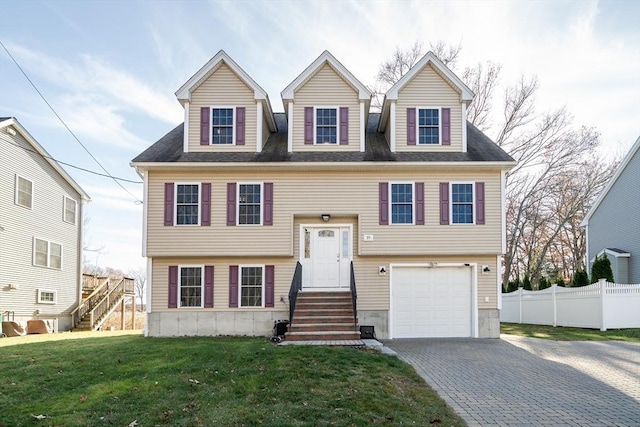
115, 380
560, 333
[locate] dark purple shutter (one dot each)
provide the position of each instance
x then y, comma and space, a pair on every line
383, 190
308, 125
173, 286
208, 286
268, 204
479, 202
233, 286
411, 126
240, 113
419, 203
231, 203
269, 285
444, 203
205, 113
344, 125
446, 126
168, 203
205, 206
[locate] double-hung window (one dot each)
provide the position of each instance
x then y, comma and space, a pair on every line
70, 206
428, 126
191, 286
326, 125
462, 203
187, 204
24, 192
47, 254
222, 126
251, 286
250, 204
401, 203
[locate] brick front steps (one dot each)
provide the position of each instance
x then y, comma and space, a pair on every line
323, 316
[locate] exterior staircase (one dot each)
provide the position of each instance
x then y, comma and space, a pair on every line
323, 316
96, 307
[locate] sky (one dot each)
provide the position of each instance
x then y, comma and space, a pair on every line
110, 70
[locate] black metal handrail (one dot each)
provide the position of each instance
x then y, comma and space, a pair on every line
296, 286
354, 294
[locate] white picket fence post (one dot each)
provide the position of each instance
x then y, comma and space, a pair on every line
603, 291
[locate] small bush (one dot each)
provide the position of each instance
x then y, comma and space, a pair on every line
601, 269
580, 278
543, 284
526, 283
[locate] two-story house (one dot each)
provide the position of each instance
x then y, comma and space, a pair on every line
40, 231
244, 206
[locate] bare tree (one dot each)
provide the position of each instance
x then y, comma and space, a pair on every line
482, 81
140, 277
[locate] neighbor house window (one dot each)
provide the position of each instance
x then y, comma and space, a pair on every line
24, 192
401, 203
462, 203
187, 204
222, 125
428, 126
326, 125
46, 296
47, 254
250, 204
251, 286
70, 206
191, 285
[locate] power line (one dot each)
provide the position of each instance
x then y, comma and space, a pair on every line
73, 166
65, 125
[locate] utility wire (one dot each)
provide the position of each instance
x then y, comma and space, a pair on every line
73, 166
67, 127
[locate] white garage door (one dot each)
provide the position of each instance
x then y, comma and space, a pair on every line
431, 302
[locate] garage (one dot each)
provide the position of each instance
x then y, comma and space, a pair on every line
429, 302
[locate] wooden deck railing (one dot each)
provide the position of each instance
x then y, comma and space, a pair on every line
98, 304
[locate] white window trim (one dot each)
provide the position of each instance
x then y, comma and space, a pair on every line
33, 190
413, 203
49, 242
261, 184
175, 203
64, 210
264, 285
439, 125
315, 125
55, 296
180, 267
473, 203
233, 124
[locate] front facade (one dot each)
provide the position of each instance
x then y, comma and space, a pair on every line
613, 223
40, 231
237, 195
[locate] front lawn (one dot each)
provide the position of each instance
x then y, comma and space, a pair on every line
117, 380
560, 333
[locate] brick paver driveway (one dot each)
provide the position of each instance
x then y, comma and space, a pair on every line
517, 381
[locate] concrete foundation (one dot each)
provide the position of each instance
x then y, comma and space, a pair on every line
212, 323
379, 319
489, 323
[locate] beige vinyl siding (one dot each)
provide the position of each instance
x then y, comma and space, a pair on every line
44, 221
326, 89
343, 194
373, 289
223, 88
428, 89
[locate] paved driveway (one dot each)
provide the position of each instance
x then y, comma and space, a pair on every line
519, 381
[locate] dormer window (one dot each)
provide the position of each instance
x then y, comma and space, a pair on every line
428, 126
326, 126
222, 125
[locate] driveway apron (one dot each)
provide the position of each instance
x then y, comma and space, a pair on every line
518, 381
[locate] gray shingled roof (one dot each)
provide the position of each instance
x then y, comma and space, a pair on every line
169, 149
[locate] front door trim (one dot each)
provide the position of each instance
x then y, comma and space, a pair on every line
306, 262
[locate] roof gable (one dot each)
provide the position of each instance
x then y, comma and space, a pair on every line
325, 58
15, 124
184, 93
627, 159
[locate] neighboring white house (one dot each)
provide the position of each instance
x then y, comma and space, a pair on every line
613, 223
40, 230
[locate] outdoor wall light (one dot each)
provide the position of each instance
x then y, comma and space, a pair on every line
485, 269
326, 217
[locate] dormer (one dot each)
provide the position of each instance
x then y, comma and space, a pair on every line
224, 109
327, 108
426, 110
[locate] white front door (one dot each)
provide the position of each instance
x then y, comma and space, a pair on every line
326, 257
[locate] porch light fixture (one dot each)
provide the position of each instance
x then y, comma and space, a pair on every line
485, 269
326, 217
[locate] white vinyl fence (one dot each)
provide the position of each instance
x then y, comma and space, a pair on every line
602, 305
